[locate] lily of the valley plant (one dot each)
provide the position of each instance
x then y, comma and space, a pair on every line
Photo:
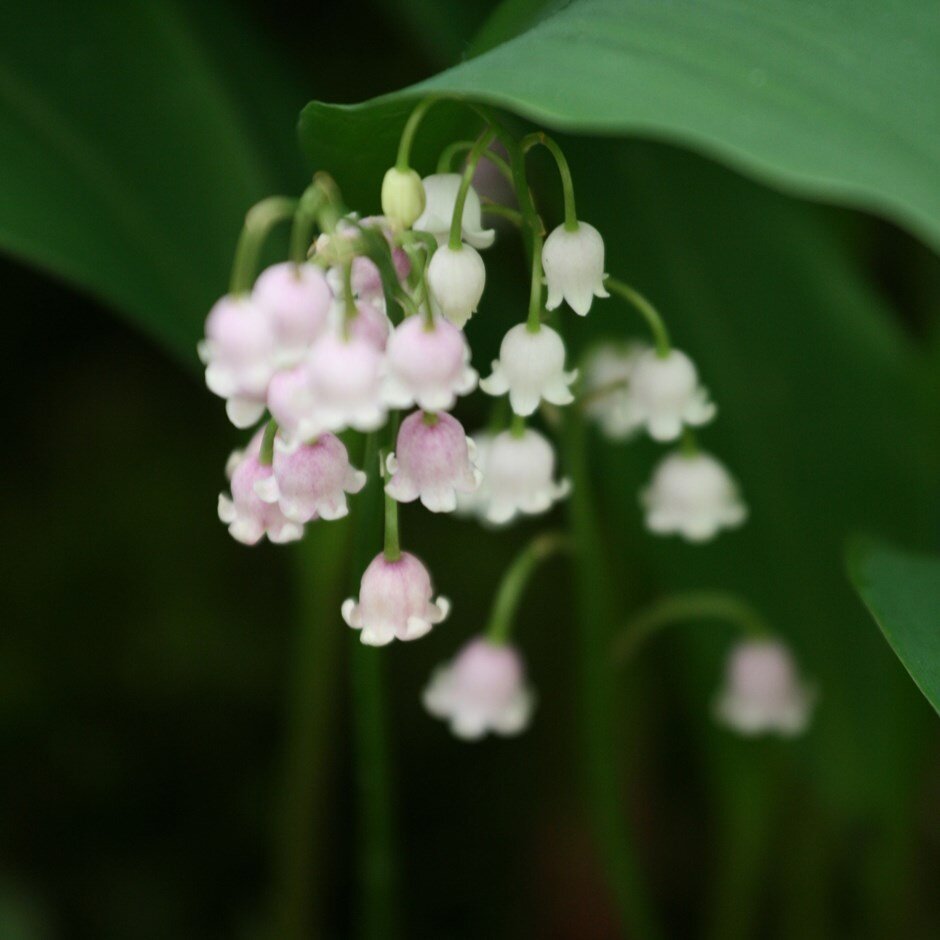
368, 328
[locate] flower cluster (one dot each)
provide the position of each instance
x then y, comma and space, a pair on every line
366, 331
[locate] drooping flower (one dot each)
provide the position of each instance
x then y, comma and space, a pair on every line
311, 481
763, 692
370, 323
394, 602
518, 477
433, 462
456, 278
291, 403
296, 299
531, 367
573, 263
474, 503
345, 384
403, 198
239, 353
607, 373
427, 364
666, 394
250, 518
694, 496
482, 689
366, 281
441, 192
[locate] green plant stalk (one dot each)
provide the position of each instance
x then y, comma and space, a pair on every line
473, 158
377, 869
597, 695
534, 320
259, 221
564, 171
647, 311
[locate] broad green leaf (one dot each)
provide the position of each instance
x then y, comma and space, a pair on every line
901, 590
131, 145
835, 100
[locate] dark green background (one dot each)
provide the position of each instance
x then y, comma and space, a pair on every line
147, 661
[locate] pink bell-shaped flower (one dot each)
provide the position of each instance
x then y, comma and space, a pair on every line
311, 481
248, 516
427, 365
763, 692
482, 689
433, 462
394, 601
239, 353
291, 403
296, 299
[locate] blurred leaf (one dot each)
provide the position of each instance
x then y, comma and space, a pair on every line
130, 150
835, 100
901, 590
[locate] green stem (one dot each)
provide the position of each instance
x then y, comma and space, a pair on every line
403, 160
564, 171
456, 223
378, 872
392, 547
534, 321
504, 212
514, 582
259, 221
446, 159
689, 444
597, 695
305, 220
266, 457
647, 310
517, 425
696, 605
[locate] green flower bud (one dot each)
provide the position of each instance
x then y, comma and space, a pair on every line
402, 197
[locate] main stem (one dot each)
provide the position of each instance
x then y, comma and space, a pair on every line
597, 692
377, 876
473, 158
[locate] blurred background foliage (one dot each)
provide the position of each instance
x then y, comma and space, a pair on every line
175, 712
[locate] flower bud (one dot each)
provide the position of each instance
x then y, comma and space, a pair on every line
693, 496
531, 367
482, 689
394, 602
403, 197
666, 394
573, 263
427, 365
456, 277
441, 190
432, 462
762, 692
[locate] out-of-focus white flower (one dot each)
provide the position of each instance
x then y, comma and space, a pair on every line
291, 403
666, 394
607, 373
693, 496
574, 267
403, 198
427, 365
763, 692
311, 481
394, 602
531, 366
296, 299
239, 353
250, 518
432, 462
518, 476
456, 277
441, 192
474, 504
482, 689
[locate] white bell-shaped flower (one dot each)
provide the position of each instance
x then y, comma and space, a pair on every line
433, 462
518, 476
427, 364
482, 689
239, 353
345, 384
250, 518
694, 496
573, 263
531, 367
297, 299
667, 395
473, 504
608, 370
311, 481
394, 602
441, 197
763, 692
456, 278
